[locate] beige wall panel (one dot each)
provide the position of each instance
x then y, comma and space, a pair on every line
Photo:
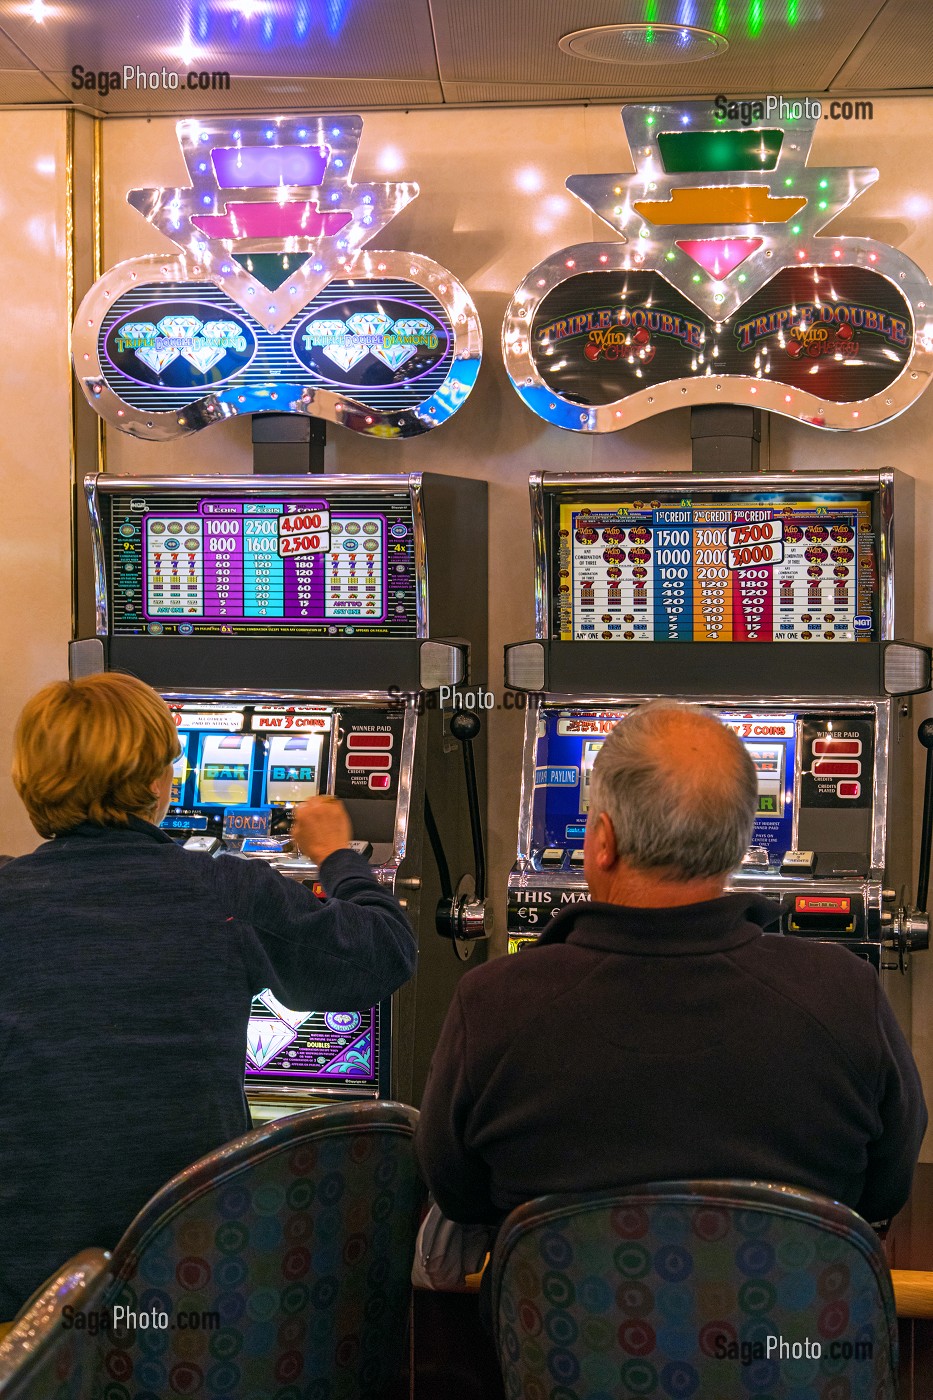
35, 448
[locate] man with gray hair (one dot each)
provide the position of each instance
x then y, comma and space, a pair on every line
658, 1033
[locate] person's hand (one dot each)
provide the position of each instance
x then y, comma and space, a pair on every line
321, 826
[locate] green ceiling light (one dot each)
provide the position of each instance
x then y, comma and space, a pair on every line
696, 277
756, 18
795, 228
824, 184
689, 152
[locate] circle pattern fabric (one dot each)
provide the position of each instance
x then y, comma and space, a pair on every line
671, 1301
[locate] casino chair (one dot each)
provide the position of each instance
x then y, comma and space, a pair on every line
299, 1238
40, 1359
670, 1291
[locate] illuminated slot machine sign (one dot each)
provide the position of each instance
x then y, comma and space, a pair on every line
313, 565
569, 741
766, 568
240, 771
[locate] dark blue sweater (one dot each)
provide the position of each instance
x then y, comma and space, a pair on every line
637, 1045
128, 969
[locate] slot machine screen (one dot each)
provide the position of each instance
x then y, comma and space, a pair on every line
569, 741
769, 567
238, 762
191, 564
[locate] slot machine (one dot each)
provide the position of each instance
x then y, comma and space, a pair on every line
780, 602
293, 627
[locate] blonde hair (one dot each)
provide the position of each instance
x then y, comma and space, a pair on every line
89, 751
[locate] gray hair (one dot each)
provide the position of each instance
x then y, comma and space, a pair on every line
690, 816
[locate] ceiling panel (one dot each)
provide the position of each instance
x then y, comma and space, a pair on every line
517, 42
267, 95
10, 57
24, 86
897, 51
365, 54
326, 38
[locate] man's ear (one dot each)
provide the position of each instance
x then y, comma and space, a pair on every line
606, 856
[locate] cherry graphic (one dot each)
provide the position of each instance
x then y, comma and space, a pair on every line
793, 348
592, 352
844, 332
641, 336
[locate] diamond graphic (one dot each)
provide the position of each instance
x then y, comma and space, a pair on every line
322, 331
413, 326
346, 356
156, 359
179, 327
139, 330
368, 323
204, 358
265, 1038
284, 1013
392, 355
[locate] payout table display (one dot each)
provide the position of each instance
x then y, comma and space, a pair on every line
569, 741
763, 569
311, 564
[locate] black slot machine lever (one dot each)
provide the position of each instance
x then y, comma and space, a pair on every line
913, 925
462, 914
925, 735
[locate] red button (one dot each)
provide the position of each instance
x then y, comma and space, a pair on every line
380, 780
837, 746
837, 767
370, 741
848, 789
368, 761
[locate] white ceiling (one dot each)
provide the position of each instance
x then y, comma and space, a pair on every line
366, 54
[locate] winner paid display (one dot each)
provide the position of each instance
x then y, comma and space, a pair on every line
773, 599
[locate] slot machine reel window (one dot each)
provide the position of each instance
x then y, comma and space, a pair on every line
246, 762
767, 568
189, 565
569, 741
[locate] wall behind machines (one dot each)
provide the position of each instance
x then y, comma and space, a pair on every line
35, 430
492, 204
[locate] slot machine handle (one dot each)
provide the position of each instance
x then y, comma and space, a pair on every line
465, 727
911, 927
462, 915
925, 735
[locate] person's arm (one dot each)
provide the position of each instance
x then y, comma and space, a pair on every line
457, 1176
893, 1155
345, 954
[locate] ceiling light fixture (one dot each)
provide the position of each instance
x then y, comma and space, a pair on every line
641, 44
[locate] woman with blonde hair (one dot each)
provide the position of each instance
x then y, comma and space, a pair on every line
129, 967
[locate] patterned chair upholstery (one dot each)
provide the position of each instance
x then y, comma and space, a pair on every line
672, 1291
288, 1251
42, 1359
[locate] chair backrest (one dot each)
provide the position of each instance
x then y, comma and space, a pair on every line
718, 1290
277, 1266
49, 1354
